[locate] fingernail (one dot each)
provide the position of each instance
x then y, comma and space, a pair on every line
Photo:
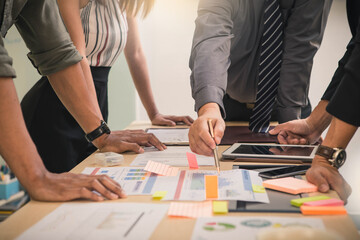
114, 196
323, 188
141, 150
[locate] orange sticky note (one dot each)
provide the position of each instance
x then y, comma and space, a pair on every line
161, 169
323, 210
211, 186
190, 210
290, 185
192, 160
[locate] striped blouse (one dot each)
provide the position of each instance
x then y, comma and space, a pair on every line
105, 30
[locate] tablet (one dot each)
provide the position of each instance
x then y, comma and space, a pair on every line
275, 151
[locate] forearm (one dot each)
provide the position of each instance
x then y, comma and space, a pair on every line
140, 75
339, 134
16, 146
319, 119
77, 95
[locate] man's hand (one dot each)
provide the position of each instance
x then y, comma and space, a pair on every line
326, 177
70, 186
127, 140
169, 120
296, 132
200, 139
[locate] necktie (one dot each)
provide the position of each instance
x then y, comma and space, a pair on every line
269, 67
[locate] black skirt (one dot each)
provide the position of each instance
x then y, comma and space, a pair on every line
58, 137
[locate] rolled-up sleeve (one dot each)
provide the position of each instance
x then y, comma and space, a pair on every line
6, 69
304, 29
210, 54
44, 33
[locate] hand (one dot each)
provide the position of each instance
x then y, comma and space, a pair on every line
127, 140
296, 132
70, 186
200, 139
168, 120
326, 177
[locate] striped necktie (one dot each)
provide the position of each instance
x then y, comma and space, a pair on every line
269, 67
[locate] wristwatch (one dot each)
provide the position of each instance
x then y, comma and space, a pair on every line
101, 130
335, 156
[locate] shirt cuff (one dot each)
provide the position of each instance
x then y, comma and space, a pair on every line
210, 94
288, 114
55, 60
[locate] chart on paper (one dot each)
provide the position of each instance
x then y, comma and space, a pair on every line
134, 181
98, 221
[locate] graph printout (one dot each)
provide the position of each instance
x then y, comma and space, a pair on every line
188, 185
134, 181
98, 221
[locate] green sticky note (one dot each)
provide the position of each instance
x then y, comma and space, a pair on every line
299, 201
220, 207
158, 195
258, 188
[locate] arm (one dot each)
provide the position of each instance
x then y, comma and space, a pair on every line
305, 25
20, 153
321, 172
209, 63
138, 68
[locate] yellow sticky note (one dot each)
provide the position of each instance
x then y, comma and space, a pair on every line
258, 188
220, 207
158, 195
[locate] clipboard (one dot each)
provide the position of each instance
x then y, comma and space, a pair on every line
279, 201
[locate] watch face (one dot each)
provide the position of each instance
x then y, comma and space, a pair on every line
340, 158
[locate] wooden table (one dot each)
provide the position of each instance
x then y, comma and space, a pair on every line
169, 228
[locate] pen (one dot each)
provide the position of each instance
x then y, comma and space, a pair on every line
215, 150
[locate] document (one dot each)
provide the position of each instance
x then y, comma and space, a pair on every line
232, 185
98, 221
258, 228
173, 156
188, 185
171, 136
134, 181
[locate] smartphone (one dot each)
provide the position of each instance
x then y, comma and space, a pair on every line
285, 171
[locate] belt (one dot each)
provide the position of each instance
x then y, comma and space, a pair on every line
250, 105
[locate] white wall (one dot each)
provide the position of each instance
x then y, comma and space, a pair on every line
167, 34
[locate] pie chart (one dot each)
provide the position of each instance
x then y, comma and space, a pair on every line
218, 226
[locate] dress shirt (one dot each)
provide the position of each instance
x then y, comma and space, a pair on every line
344, 90
225, 52
40, 25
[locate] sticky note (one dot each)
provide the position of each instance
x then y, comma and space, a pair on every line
258, 189
326, 202
190, 210
161, 169
323, 210
220, 207
211, 186
192, 160
300, 201
158, 195
290, 185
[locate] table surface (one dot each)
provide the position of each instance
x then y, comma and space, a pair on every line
169, 228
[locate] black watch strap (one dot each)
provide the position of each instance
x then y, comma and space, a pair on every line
101, 130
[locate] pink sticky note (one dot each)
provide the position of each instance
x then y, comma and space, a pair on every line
190, 210
161, 169
290, 185
325, 202
192, 160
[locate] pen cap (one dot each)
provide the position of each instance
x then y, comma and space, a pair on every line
108, 159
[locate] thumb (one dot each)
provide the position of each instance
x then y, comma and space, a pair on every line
218, 132
319, 180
